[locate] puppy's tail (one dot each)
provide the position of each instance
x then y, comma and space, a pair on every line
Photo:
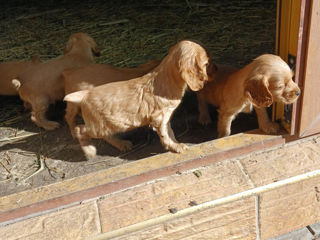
16, 84
75, 97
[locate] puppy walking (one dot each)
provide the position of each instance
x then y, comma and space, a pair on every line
83, 78
265, 80
42, 84
149, 100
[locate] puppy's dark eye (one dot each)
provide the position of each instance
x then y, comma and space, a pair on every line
278, 87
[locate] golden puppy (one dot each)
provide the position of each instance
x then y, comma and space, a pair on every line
11, 70
265, 80
148, 100
42, 84
87, 77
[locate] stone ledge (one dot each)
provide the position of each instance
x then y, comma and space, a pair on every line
114, 179
280, 210
74, 223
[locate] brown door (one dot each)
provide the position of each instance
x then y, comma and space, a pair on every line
310, 102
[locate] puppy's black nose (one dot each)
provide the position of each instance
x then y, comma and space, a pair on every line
298, 92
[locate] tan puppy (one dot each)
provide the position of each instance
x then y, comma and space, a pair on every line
148, 100
42, 84
92, 75
265, 80
11, 70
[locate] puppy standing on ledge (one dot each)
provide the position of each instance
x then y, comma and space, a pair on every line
265, 80
148, 100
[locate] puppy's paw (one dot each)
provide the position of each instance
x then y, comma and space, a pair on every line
125, 145
51, 125
204, 119
178, 148
48, 125
90, 151
75, 132
270, 127
224, 133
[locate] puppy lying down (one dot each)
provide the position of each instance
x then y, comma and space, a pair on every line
148, 100
82, 78
265, 80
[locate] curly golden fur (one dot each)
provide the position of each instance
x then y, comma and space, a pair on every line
149, 100
92, 75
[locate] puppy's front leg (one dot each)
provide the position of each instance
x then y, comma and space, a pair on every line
264, 122
224, 123
166, 135
204, 116
169, 143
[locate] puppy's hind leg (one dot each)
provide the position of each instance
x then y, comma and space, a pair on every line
39, 107
81, 134
71, 113
204, 116
224, 123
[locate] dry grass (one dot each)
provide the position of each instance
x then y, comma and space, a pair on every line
132, 32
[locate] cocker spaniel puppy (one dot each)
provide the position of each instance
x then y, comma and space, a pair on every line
42, 84
149, 100
82, 78
11, 70
265, 80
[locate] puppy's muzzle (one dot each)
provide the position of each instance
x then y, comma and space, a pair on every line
298, 92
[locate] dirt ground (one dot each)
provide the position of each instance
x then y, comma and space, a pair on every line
142, 34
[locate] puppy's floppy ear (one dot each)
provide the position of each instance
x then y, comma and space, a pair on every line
256, 89
94, 47
69, 45
211, 70
193, 71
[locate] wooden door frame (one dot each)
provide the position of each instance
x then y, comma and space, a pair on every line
301, 37
301, 62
